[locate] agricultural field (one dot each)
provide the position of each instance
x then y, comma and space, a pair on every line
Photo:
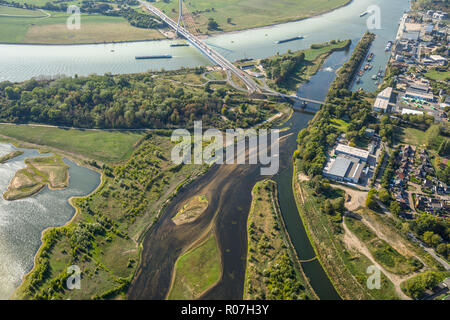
51, 28
196, 271
244, 14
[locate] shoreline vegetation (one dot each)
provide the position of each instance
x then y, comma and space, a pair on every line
51, 28
39, 172
270, 255
287, 71
10, 156
309, 160
106, 245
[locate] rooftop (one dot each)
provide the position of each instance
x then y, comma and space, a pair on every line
360, 153
411, 111
340, 166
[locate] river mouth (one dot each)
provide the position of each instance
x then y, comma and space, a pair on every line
22, 221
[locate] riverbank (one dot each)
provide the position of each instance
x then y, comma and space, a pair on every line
270, 255
54, 32
246, 15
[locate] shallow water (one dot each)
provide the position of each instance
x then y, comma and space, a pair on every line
22, 221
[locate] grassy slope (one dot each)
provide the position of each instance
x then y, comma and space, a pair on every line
54, 30
438, 76
99, 145
250, 13
196, 271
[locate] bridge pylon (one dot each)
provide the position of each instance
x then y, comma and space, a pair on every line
180, 17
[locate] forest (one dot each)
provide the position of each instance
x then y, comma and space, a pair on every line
125, 101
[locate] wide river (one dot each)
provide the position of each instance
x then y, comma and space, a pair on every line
22, 221
22, 62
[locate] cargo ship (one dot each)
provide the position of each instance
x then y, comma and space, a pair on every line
165, 56
290, 39
180, 45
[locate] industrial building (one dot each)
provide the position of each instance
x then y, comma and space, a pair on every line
344, 168
352, 152
382, 101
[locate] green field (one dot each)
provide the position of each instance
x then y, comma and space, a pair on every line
99, 145
196, 271
9, 11
438, 76
246, 14
40, 28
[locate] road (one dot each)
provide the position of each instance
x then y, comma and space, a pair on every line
218, 59
213, 55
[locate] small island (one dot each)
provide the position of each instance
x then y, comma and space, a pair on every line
191, 210
9, 156
40, 171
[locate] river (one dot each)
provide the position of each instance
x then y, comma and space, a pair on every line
164, 243
21, 62
22, 221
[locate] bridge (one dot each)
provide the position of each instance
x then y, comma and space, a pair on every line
217, 58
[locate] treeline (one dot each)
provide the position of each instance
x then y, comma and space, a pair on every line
141, 20
349, 69
341, 103
280, 68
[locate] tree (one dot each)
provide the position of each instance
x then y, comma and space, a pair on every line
384, 196
212, 24
443, 249
395, 208
327, 207
427, 237
370, 201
